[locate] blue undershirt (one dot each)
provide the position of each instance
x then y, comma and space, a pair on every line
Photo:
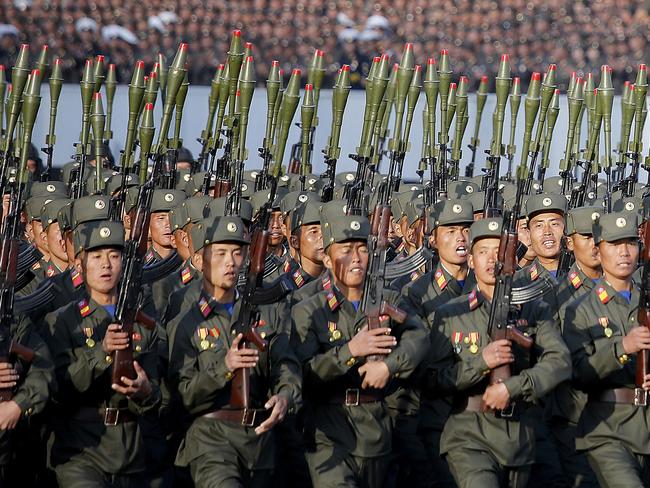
627, 294
355, 304
110, 309
461, 283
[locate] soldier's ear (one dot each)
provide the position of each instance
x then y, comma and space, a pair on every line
327, 261
77, 263
470, 260
294, 242
569, 243
197, 261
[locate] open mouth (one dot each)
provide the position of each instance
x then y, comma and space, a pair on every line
461, 251
548, 243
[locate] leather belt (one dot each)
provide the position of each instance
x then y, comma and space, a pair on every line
247, 417
629, 396
353, 397
108, 415
475, 404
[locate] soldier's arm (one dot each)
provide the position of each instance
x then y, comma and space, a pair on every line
553, 364
76, 367
37, 382
413, 293
149, 361
199, 374
320, 366
286, 374
592, 360
412, 346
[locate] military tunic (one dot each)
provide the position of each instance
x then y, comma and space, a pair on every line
347, 443
220, 453
479, 445
84, 447
615, 435
162, 289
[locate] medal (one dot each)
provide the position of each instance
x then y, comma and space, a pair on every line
473, 348
205, 344
608, 332
90, 342
473, 337
336, 334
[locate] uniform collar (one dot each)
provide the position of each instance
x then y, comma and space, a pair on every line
475, 298
535, 270
208, 306
606, 293
577, 278
443, 279
75, 277
88, 307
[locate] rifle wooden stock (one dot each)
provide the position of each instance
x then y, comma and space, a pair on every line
396, 314
518, 337
222, 188
643, 356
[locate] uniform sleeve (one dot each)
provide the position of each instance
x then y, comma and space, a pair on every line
592, 360
412, 346
149, 361
412, 295
38, 380
286, 376
323, 366
200, 375
553, 364
448, 372
76, 367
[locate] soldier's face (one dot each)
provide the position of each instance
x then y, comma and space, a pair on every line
451, 242
584, 250
160, 230
221, 264
276, 237
39, 236
311, 243
55, 241
101, 269
483, 260
181, 243
546, 231
619, 258
348, 262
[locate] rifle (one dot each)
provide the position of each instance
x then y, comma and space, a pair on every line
448, 169
97, 120
515, 102
553, 110
500, 325
11, 231
56, 83
380, 131
643, 316
111, 86
307, 111
206, 134
491, 178
481, 98
444, 88
461, 123
604, 101
222, 177
87, 91
332, 151
273, 86
127, 310
431, 85
575, 99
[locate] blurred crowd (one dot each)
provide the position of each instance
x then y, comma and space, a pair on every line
578, 36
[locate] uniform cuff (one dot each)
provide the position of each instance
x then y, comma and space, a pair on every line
97, 357
513, 384
346, 360
622, 358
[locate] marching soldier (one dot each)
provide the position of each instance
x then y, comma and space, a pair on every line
348, 430
488, 439
97, 440
603, 335
228, 446
162, 244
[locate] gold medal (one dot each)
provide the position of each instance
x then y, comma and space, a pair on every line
608, 332
90, 342
138, 348
466, 340
473, 348
336, 334
205, 344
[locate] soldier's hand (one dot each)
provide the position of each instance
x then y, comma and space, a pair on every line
9, 415
8, 376
369, 342
137, 389
498, 353
279, 405
375, 374
646, 382
115, 339
496, 396
240, 358
637, 339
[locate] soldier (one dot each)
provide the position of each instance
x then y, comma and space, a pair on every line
52, 234
348, 430
228, 446
489, 439
97, 440
306, 241
565, 404
603, 335
162, 244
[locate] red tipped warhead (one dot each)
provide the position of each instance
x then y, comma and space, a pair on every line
516, 80
36, 72
296, 71
505, 58
236, 33
89, 63
249, 59
248, 45
281, 72
418, 67
580, 79
221, 67
431, 61
452, 86
320, 53
396, 67
156, 66
183, 46
24, 46
642, 67
408, 46
632, 86
463, 79
376, 59
111, 66
536, 76
238, 94
57, 61
610, 70
309, 87
274, 63
148, 106
484, 79
444, 52
146, 78
139, 64
346, 67
557, 91
2, 66
100, 58
552, 67
626, 84
385, 57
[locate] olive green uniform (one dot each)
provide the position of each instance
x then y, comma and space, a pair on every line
614, 434
483, 449
348, 444
97, 440
221, 453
